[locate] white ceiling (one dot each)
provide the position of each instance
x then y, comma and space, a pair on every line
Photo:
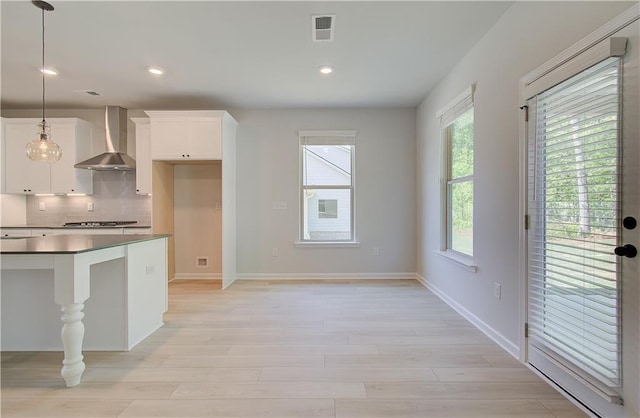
235, 54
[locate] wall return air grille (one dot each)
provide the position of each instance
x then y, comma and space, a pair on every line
322, 27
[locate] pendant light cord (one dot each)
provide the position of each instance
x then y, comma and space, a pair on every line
42, 69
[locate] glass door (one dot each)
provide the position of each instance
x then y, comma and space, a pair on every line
582, 273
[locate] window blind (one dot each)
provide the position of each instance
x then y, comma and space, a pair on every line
327, 137
457, 107
574, 291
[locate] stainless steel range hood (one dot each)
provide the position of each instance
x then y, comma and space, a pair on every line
115, 159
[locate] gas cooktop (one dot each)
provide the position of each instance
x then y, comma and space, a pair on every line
93, 224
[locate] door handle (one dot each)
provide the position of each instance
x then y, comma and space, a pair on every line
628, 251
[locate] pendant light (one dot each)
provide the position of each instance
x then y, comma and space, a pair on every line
43, 148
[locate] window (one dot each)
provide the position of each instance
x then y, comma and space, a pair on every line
456, 122
326, 186
328, 208
574, 289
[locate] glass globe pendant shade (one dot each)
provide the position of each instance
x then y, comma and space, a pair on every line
43, 148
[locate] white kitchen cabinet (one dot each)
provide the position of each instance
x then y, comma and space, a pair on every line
74, 137
15, 232
26, 232
143, 155
169, 133
136, 231
3, 182
42, 232
23, 176
187, 135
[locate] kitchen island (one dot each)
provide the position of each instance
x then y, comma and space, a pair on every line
122, 279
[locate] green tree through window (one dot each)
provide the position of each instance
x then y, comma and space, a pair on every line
460, 184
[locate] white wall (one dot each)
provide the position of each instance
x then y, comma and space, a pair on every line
385, 180
526, 36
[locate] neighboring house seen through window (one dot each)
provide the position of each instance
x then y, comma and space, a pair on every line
456, 122
326, 189
328, 208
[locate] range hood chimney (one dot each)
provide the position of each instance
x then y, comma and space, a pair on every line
115, 159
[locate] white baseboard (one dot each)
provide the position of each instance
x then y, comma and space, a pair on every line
325, 276
499, 339
197, 276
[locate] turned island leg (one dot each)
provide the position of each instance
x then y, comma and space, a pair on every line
71, 277
72, 336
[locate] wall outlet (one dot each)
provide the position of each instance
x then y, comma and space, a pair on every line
376, 251
497, 290
41, 206
274, 252
280, 205
202, 262
218, 205
90, 206
150, 269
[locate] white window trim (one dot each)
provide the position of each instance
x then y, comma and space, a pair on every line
447, 115
465, 95
345, 133
460, 259
353, 242
326, 244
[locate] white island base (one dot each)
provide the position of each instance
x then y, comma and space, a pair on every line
111, 297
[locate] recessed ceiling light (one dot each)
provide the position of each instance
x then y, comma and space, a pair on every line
49, 71
325, 69
155, 70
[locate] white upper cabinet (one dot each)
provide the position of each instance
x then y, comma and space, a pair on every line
187, 135
204, 138
23, 176
74, 137
143, 155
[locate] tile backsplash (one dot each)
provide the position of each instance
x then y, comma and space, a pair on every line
114, 199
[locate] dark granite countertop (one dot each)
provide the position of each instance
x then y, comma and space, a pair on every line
70, 244
71, 227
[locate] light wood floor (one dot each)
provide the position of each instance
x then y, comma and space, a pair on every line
292, 349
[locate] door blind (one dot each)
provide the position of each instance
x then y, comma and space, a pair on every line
574, 288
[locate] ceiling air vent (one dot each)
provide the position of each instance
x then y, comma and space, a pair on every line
322, 27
